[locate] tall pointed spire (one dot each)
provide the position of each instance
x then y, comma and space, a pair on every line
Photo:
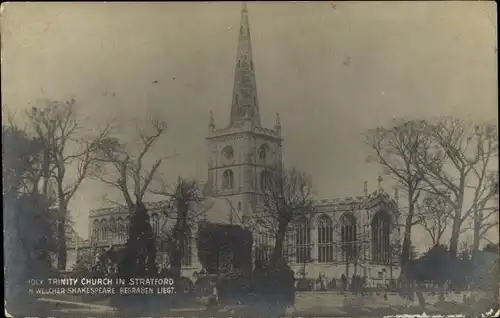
245, 104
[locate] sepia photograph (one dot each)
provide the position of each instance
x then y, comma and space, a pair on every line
250, 159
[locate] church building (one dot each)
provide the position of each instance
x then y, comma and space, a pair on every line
239, 157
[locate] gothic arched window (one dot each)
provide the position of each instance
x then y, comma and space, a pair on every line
228, 154
155, 224
265, 180
381, 245
303, 241
263, 152
227, 179
104, 229
95, 230
348, 237
325, 239
120, 228
127, 227
242, 111
187, 250
112, 226
262, 246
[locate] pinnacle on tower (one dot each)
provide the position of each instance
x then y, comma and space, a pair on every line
396, 195
244, 105
211, 123
379, 180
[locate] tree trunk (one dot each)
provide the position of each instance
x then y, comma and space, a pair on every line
420, 295
61, 244
347, 272
406, 249
477, 228
176, 253
278, 244
455, 236
457, 224
61, 237
178, 239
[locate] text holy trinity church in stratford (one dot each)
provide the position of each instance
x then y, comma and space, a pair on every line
240, 155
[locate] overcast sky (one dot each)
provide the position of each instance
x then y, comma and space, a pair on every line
332, 71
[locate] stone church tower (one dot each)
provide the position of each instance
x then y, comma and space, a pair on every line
242, 154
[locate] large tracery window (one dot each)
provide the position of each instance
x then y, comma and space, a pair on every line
262, 248
227, 179
325, 239
303, 241
155, 218
120, 229
290, 244
187, 251
104, 230
380, 228
348, 237
95, 230
112, 229
127, 227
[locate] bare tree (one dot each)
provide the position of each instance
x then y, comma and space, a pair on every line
396, 149
354, 253
128, 173
434, 216
394, 257
286, 196
485, 215
65, 145
187, 206
460, 162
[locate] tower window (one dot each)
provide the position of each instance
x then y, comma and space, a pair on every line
227, 179
263, 152
265, 180
228, 153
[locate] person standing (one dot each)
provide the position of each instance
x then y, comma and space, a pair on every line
324, 282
